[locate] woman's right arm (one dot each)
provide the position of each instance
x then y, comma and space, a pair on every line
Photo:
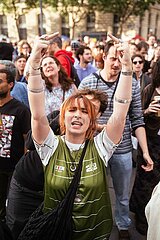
39, 122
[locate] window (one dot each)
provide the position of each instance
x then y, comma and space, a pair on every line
65, 25
3, 25
91, 21
41, 24
140, 25
149, 21
156, 27
22, 27
116, 20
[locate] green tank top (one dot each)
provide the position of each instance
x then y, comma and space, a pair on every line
92, 214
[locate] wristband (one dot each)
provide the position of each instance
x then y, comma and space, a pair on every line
35, 68
36, 90
127, 73
124, 101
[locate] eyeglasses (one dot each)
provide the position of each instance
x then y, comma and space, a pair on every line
135, 62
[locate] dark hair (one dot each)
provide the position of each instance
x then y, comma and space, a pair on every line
108, 45
19, 57
152, 35
9, 65
80, 51
57, 40
18, 75
137, 55
141, 45
97, 95
63, 79
9, 75
155, 75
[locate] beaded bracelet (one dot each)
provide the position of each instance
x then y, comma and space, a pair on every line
124, 101
36, 90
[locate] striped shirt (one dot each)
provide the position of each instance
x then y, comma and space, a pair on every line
134, 117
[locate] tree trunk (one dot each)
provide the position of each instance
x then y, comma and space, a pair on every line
72, 29
17, 26
120, 29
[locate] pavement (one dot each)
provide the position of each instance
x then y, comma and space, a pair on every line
134, 235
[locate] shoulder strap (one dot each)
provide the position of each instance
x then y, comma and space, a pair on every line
98, 77
74, 184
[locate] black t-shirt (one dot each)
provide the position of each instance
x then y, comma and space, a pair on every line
29, 171
16, 120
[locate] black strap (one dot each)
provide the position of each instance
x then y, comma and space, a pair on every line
74, 184
100, 77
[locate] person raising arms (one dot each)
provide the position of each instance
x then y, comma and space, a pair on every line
78, 123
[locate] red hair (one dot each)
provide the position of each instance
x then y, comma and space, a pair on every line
69, 102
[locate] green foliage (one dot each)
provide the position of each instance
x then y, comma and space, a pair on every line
8, 5
121, 7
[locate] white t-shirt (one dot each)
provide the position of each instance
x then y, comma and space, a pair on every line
104, 146
152, 212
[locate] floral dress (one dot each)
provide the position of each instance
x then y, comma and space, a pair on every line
55, 98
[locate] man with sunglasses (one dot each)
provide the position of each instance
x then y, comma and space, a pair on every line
121, 161
142, 78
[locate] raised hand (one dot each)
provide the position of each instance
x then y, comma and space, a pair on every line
124, 53
40, 45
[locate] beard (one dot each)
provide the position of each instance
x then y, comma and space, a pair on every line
3, 95
87, 61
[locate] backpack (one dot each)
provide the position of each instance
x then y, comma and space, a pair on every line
74, 75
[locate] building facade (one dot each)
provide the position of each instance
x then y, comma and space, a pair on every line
95, 22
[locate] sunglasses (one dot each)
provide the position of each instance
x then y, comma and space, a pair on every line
135, 62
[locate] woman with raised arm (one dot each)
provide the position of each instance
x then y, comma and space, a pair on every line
91, 213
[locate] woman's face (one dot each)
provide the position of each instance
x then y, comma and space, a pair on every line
49, 67
26, 49
137, 64
77, 120
20, 64
99, 64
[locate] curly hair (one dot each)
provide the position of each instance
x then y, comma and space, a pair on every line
63, 78
102, 97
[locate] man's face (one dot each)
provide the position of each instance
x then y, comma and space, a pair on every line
87, 56
151, 40
112, 64
143, 52
4, 86
51, 49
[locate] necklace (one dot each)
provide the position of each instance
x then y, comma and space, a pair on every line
73, 154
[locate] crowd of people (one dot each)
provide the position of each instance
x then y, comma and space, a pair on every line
54, 99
